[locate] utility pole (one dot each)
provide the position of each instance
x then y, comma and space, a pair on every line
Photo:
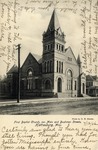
18, 93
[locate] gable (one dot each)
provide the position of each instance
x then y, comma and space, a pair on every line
32, 63
70, 57
95, 78
83, 76
89, 78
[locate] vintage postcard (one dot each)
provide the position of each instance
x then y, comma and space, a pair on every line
48, 74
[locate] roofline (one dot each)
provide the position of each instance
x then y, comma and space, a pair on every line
27, 58
72, 53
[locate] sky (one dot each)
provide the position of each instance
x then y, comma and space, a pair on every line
31, 19
36, 24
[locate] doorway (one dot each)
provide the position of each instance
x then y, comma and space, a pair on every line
59, 86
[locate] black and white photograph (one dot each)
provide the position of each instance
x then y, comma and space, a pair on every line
48, 57
48, 74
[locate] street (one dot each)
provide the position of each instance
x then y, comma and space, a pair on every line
51, 106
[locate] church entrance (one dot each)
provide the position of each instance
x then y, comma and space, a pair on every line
59, 85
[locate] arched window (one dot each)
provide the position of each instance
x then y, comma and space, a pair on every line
48, 47
45, 67
30, 73
62, 68
51, 46
48, 66
62, 48
83, 88
59, 85
69, 80
57, 66
47, 84
45, 47
57, 46
75, 86
51, 66
29, 79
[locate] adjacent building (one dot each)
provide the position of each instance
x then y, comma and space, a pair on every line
92, 85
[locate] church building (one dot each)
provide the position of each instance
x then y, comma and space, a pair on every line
57, 73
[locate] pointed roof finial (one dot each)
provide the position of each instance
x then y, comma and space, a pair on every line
54, 22
79, 59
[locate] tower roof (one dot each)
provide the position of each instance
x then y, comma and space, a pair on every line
54, 22
78, 59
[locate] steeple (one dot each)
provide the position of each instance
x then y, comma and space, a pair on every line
54, 23
79, 60
53, 38
54, 30
79, 63
53, 49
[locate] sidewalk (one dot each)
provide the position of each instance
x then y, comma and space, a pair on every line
43, 100
52, 106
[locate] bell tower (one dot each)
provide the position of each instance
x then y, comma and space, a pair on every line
53, 50
53, 42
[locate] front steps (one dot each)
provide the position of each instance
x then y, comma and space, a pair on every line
61, 95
